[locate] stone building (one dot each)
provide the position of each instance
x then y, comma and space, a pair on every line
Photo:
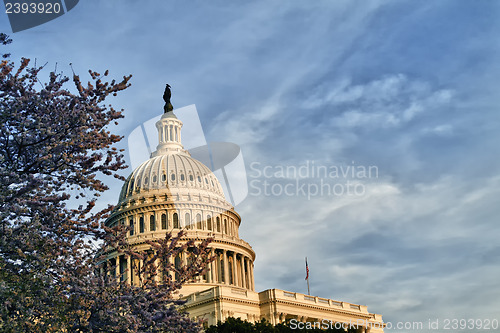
173, 191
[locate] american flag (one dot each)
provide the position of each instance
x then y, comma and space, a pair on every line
307, 270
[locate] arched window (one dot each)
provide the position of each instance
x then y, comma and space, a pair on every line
141, 224
176, 221
152, 224
187, 221
198, 221
163, 177
191, 177
131, 224
164, 221
172, 177
225, 227
154, 178
218, 224
182, 177
209, 222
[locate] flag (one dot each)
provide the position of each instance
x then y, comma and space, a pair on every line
307, 270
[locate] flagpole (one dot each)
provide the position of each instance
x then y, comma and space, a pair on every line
307, 278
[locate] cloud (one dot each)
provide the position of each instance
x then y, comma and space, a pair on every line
394, 247
390, 101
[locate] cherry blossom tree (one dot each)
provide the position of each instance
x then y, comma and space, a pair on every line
55, 149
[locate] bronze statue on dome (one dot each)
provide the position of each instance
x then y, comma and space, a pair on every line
166, 97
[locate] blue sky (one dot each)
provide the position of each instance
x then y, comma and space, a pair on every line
408, 86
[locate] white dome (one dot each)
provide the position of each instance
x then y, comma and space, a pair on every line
170, 172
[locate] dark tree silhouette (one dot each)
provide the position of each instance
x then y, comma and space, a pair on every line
236, 325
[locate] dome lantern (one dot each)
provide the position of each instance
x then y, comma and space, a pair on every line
169, 135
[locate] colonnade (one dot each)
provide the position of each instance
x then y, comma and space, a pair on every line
228, 268
170, 131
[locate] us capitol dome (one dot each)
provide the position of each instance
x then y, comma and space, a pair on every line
173, 191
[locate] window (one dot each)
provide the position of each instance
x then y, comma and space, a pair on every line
141, 224
123, 267
187, 221
176, 220
198, 221
154, 179
146, 181
230, 269
164, 221
191, 177
131, 224
218, 224
172, 177
177, 264
225, 226
221, 269
182, 177
209, 222
163, 177
152, 224
199, 179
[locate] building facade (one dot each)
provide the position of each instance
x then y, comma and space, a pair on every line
173, 191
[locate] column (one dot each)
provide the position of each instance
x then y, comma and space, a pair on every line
170, 272
117, 269
247, 262
129, 270
235, 270
211, 271
252, 281
141, 275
